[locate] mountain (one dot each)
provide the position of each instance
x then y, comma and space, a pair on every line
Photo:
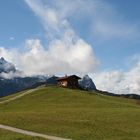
12, 82
52, 80
86, 83
10, 86
6, 67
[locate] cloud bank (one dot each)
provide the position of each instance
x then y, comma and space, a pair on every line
120, 82
58, 58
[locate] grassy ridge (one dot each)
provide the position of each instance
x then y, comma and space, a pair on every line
74, 114
6, 135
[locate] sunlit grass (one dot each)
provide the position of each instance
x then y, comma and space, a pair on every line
75, 114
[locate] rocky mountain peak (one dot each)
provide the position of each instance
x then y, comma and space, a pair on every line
2, 60
87, 83
6, 66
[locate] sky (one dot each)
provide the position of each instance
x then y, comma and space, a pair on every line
96, 37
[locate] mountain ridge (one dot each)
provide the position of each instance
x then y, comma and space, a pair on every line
6, 67
12, 81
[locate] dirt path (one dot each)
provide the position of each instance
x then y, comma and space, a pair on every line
30, 133
18, 96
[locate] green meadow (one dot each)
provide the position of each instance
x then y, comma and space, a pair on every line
74, 114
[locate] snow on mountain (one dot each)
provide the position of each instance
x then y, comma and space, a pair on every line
6, 67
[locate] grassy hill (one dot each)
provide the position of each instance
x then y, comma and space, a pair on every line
75, 114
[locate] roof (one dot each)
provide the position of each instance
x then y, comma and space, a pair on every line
68, 77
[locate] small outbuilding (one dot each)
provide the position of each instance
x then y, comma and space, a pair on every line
68, 81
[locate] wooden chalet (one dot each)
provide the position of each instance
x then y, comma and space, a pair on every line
68, 81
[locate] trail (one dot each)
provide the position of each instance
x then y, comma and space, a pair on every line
30, 133
18, 96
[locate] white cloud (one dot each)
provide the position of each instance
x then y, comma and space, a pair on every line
8, 54
54, 23
11, 75
61, 57
66, 52
104, 20
118, 81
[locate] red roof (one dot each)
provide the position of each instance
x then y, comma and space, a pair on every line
68, 77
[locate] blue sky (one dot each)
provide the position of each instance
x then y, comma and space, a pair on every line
103, 33
19, 22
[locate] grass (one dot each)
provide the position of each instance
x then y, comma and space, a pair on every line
7, 135
74, 114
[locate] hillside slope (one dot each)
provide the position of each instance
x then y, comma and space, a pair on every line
74, 114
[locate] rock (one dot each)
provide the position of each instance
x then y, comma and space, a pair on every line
86, 83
